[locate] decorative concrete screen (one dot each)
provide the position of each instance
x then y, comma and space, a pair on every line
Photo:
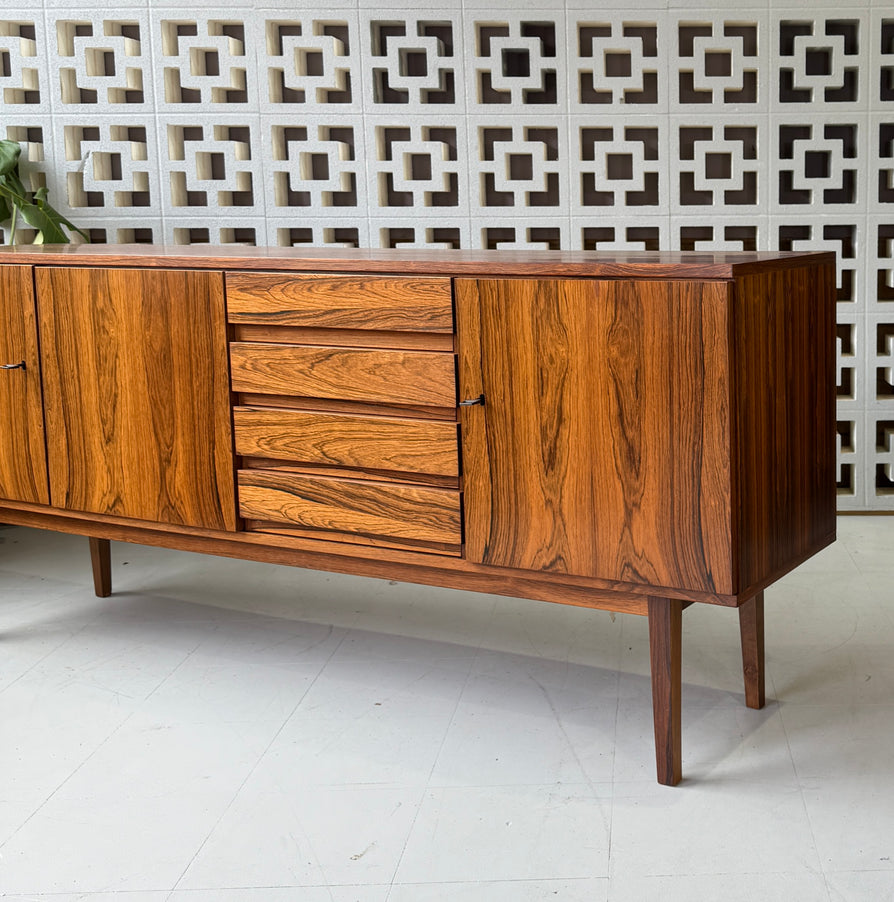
500, 126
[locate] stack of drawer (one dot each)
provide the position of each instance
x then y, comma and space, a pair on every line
345, 415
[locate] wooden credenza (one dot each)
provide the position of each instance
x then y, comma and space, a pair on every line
633, 432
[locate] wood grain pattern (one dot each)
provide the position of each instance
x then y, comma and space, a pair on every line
398, 377
343, 505
751, 629
644, 265
603, 448
364, 442
666, 660
784, 335
137, 395
23, 464
344, 302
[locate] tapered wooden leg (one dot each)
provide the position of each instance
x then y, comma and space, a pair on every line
666, 652
751, 626
101, 560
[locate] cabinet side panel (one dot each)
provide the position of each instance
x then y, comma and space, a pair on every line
784, 334
23, 466
603, 446
137, 394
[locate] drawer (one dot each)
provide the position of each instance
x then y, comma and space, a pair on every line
426, 378
418, 513
361, 442
385, 303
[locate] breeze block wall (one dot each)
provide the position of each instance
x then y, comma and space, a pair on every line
485, 124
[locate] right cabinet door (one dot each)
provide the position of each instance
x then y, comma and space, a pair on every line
603, 445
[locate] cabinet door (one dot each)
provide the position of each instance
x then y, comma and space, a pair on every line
603, 445
137, 394
23, 465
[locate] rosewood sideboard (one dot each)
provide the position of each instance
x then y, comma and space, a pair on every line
632, 432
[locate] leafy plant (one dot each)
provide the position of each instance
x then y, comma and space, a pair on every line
32, 206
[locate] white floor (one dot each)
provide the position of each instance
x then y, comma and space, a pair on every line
219, 731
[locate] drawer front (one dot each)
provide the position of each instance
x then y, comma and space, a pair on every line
371, 443
380, 376
385, 303
349, 506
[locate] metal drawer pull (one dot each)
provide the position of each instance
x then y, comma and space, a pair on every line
471, 402
13, 366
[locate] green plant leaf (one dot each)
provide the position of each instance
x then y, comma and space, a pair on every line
11, 186
49, 232
34, 208
10, 151
40, 199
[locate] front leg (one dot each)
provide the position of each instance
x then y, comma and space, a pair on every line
751, 627
101, 561
666, 655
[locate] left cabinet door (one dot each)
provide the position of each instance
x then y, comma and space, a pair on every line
136, 387
23, 465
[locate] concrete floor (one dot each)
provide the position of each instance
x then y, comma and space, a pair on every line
219, 731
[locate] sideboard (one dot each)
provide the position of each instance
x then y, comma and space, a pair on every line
632, 432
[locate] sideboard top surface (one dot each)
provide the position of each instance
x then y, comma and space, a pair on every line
490, 263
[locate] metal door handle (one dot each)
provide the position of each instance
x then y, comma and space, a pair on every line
471, 402
13, 366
